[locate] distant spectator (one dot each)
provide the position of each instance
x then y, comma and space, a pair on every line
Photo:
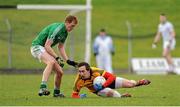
103, 49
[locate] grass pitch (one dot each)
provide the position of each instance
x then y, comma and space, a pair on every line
21, 90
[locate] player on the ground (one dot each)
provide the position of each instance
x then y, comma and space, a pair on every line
87, 74
41, 49
166, 29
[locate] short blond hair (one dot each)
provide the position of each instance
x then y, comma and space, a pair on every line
71, 18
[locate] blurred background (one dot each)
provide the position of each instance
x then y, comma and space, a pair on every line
20, 27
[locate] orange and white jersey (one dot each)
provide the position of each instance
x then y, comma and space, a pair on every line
88, 83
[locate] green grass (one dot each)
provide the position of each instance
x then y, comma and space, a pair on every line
21, 90
109, 14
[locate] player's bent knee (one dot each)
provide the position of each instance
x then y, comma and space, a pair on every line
59, 73
51, 62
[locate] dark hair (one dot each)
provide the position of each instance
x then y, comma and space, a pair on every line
102, 30
163, 14
84, 64
71, 18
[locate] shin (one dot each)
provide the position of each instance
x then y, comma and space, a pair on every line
57, 76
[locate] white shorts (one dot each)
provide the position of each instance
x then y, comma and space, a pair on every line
118, 83
37, 51
169, 45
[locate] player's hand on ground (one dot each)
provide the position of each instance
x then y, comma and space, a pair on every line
60, 61
83, 95
72, 63
154, 46
98, 87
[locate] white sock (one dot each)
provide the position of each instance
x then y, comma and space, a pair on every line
116, 94
171, 68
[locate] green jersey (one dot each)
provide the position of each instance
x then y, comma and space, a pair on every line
56, 32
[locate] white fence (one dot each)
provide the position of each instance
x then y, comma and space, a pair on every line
153, 65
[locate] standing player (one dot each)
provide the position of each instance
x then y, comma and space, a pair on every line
41, 49
103, 49
87, 74
166, 29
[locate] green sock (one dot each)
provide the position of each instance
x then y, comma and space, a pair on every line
43, 84
56, 91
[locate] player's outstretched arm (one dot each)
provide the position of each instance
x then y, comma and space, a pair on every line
76, 89
64, 55
62, 51
156, 39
